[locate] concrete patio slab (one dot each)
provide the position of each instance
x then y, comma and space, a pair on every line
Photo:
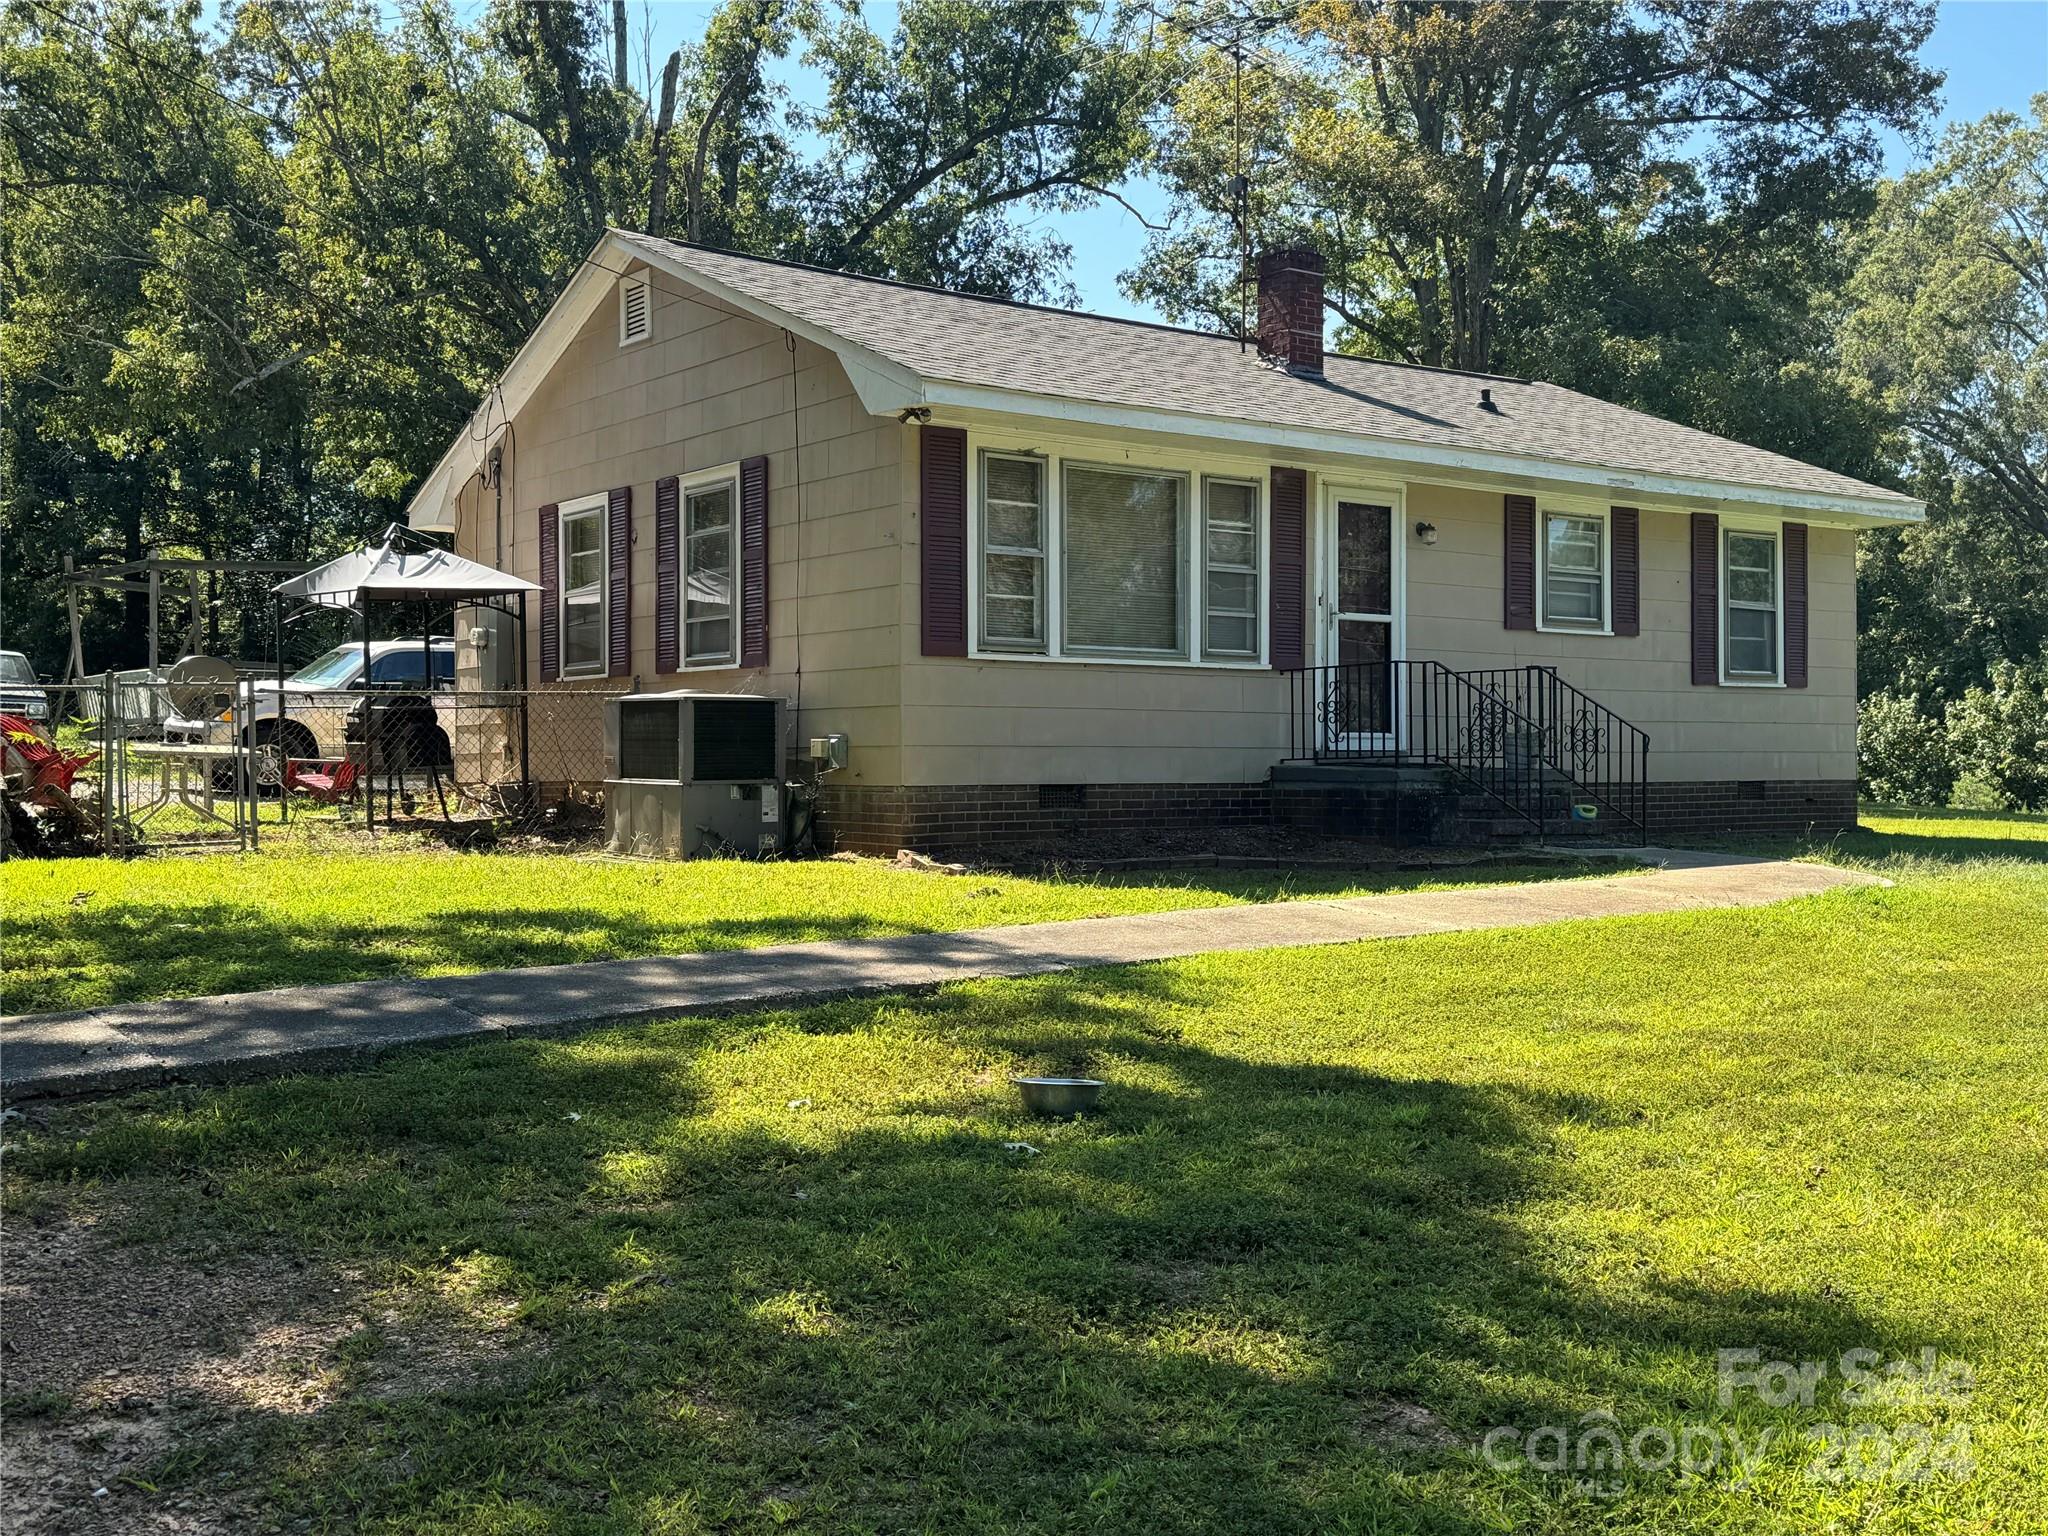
294, 1028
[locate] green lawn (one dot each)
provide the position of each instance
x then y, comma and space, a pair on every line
1346, 1211
86, 932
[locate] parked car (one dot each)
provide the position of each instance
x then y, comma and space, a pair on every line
306, 717
21, 693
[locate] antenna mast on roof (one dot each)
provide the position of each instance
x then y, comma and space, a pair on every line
1240, 188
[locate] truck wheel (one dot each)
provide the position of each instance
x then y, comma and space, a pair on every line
275, 743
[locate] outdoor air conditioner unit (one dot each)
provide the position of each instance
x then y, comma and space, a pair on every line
693, 774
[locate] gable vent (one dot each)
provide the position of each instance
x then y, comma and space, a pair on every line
636, 310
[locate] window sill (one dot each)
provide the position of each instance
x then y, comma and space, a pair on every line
582, 674
1602, 632
707, 666
1249, 664
1752, 682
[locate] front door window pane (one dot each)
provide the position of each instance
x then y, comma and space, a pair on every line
1365, 558
1364, 691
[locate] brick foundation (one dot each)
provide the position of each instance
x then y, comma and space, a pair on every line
1768, 807
880, 818
873, 818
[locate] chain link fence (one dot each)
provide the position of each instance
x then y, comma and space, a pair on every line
240, 762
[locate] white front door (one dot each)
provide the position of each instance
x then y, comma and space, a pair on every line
1361, 601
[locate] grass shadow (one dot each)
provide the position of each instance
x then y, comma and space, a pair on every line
788, 1267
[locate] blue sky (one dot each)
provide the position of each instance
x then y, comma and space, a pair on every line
1993, 52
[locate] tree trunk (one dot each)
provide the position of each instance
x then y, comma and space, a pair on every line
619, 44
657, 198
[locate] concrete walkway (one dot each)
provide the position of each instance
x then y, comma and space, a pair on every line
262, 1033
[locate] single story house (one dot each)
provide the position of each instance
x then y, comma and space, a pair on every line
1049, 570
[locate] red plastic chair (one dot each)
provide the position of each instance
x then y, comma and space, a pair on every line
50, 769
330, 783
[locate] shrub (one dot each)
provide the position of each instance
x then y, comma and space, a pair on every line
1998, 738
1902, 753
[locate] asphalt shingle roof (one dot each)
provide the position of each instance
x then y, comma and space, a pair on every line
966, 339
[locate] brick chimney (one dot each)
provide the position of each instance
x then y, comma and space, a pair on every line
1291, 309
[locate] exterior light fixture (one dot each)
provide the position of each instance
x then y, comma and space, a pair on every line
1426, 532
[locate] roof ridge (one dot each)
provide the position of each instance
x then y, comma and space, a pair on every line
1055, 309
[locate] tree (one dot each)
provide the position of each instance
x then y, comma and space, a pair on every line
255, 278
968, 113
1419, 143
1951, 327
150, 399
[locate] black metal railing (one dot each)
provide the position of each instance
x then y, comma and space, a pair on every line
1523, 737
1602, 758
1396, 712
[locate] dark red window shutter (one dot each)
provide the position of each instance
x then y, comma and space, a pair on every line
618, 526
668, 563
942, 539
1287, 632
1518, 564
1625, 528
1706, 599
550, 593
754, 561
1795, 605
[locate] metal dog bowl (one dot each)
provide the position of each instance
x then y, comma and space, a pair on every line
1059, 1097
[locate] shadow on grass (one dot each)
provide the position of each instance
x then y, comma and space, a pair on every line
1926, 841
1282, 1297
114, 951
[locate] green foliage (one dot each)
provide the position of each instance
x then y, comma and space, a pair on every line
1902, 752
255, 278
1998, 735
1422, 146
1950, 325
1988, 750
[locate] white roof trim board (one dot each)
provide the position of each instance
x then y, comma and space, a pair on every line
959, 355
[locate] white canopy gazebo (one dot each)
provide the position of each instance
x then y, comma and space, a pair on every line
406, 568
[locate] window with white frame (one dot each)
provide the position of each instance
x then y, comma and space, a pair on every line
1124, 565
1574, 570
583, 587
1230, 568
636, 309
1749, 586
708, 572
1013, 574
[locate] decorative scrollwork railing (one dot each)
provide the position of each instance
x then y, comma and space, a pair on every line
1521, 735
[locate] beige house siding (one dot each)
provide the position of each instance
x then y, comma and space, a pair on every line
1696, 733
1003, 721
712, 387
707, 389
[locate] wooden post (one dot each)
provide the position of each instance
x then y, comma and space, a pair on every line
76, 674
